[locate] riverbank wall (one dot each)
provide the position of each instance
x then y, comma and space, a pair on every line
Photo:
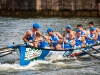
50, 8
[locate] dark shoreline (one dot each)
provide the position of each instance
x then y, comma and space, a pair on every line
35, 14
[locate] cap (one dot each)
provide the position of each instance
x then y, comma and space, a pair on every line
36, 25
49, 30
69, 26
77, 30
92, 28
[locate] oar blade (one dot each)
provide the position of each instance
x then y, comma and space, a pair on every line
5, 54
3, 48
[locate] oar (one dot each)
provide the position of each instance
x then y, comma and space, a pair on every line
91, 55
7, 47
96, 45
3, 48
11, 46
96, 50
5, 54
6, 51
63, 42
62, 37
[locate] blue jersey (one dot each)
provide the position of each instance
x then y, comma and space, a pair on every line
99, 36
31, 38
43, 44
67, 35
55, 39
83, 33
78, 42
68, 46
89, 41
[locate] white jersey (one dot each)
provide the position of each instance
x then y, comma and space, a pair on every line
83, 33
67, 35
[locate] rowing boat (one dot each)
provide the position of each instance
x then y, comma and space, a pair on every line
28, 54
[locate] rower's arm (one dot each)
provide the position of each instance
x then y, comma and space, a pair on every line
97, 29
74, 34
47, 38
59, 35
58, 47
73, 43
83, 38
96, 36
26, 36
87, 33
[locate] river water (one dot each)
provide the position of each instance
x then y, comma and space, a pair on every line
13, 29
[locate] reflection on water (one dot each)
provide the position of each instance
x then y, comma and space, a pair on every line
13, 29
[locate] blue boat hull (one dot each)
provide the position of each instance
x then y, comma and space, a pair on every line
28, 54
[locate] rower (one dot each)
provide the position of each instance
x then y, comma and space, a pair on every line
68, 44
83, 32
69, 31
54, 37
37, 39
79, 43
92, 37
29, 36
91, 24
98, 37
80, 40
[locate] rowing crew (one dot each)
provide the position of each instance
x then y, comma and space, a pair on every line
73, 39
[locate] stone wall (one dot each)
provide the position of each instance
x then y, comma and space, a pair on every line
64, 8
48, 5
18, 5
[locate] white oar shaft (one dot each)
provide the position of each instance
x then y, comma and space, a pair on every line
5, 54
63, 45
